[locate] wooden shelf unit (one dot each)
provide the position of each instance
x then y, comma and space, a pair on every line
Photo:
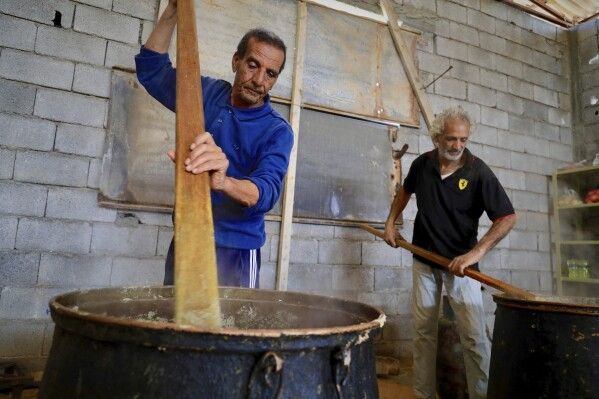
576, 230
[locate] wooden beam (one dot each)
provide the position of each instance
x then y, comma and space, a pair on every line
196, 282
543, 4
538, 14
408, 63
294, 119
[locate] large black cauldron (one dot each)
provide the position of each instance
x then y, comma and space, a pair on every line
545, 348
121, 343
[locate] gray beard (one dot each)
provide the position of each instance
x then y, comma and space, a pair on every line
445, 154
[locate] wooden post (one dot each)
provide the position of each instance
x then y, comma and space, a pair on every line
407, 62
294, 119
196, 281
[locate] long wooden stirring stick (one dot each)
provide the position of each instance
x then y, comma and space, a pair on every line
443, 261
196, 281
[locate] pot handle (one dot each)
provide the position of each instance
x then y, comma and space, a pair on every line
341, 363
266, 379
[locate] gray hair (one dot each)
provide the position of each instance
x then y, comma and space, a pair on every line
438, 126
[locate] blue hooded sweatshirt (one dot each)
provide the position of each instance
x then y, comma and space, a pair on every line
256, 141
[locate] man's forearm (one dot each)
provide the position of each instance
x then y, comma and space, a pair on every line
160, 38
499, 229
399, 203
243, 191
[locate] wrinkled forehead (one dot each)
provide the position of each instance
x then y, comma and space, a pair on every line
456, 127
266, 53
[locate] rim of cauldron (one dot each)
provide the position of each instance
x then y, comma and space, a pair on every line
555, 304
73, 311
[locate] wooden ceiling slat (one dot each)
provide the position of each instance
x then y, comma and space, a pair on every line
540, 14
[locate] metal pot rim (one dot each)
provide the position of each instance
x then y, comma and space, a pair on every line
549, 304
73, 312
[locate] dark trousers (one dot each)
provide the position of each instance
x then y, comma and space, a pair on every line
235, 267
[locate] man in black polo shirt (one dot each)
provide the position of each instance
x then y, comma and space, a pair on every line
453, 188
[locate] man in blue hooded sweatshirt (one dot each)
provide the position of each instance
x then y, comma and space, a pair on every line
247, 149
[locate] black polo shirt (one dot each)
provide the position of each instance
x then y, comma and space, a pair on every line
449, 209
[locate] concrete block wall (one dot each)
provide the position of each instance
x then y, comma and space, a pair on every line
54, 95
509, 70
585, 60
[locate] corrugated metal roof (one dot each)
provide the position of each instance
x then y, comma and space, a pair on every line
566, 13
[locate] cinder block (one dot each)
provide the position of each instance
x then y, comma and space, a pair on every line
92, 80
59, 270
481, 95
40, 11
510, 141
72, 203
304, 230
106, 4
392, 278
484, 135
492, 260
267, 276
494, 117
109, 25
451, 88
95, 171
463, 33
546, 280
432, 63
452, 11
121, 55
493, 43
526, 201
565, 135
537, 76
353, 233
273, 249
304, 251
509, 67
509, 103
128, 272
53, 235
536, 146
380, 253
18, 131
348, 278
19, 338
27, 303
537, 221
388, 302
451, 48
272, 227
8, 231
50, 168
70, 45
80, 140
497, 10
7, 163
145, 9
561, 151
545, 96
70, 107
546, 131
523, 240
464, 71
508, 31
310, 278
493, 80
134, 241
16, 33
338, 252
165, 235
529, 280
558, 117
481, 21
19, 269
37, 69
521, 125
481, 57
536, 111
511, 178
22, 199
16, 97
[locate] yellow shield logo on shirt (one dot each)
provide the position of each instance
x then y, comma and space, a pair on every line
462, 184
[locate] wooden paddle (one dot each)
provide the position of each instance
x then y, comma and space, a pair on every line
196, 280
443, 261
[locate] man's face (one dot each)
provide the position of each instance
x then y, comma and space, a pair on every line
452, 143
255, 73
